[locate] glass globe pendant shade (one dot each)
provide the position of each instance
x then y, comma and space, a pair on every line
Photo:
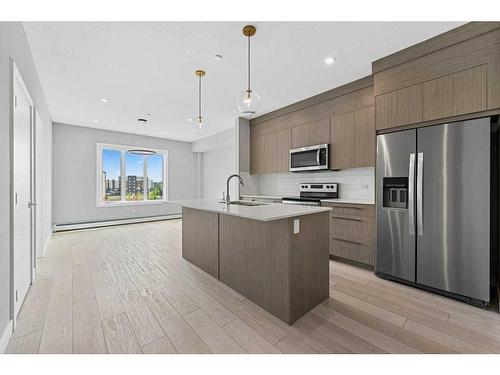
249, 102
199, 125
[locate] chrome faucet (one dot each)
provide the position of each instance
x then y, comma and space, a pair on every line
228, 199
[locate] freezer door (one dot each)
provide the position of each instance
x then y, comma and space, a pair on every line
395, 252
453, 208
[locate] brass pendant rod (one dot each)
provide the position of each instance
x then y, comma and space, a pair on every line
248, 63
199, 97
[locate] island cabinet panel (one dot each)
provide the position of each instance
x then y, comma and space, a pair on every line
286, 274
455, 94
352, 232
202, 253
283, 146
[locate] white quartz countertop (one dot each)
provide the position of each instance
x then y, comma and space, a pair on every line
264, 212
349, 200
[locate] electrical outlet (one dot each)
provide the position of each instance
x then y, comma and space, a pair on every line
296, 226
364, 187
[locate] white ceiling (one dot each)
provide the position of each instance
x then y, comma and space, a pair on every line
148, 67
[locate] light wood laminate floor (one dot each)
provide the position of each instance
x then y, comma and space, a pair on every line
126, 289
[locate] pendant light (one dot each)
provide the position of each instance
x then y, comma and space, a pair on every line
249, 100
199, 124
146, 150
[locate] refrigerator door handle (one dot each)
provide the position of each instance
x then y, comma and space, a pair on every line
411, 185
420, 171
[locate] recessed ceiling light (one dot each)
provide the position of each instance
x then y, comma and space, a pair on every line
96, 121
190, 119
165, 132
104, 100
218, 58
330, 60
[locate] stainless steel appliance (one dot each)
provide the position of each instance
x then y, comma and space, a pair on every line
311, 194
310, 158
434, 210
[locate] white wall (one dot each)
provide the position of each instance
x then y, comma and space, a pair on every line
74, 171
219, 162
44, 182
13, 45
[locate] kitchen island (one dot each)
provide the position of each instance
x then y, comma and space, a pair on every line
275, 255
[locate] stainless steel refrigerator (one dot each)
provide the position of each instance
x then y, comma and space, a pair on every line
434, 210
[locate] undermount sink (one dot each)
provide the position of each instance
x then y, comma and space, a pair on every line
244, 203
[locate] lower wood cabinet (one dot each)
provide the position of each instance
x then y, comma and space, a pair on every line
352, 232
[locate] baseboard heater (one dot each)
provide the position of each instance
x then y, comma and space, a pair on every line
109, 223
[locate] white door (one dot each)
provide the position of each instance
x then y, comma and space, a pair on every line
22, 254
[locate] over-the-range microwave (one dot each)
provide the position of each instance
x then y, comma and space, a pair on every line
310, 158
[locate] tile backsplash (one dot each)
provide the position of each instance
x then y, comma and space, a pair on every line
355, 183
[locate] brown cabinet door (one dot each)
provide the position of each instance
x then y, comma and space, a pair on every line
263, 154
283, 146
493, 84
254, 155
342, 153
364, 137
269, 155
455, 94
400, 107
319, 132
300, 136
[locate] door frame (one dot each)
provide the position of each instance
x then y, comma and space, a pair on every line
16, 76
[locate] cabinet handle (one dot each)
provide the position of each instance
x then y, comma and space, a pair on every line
347, 218
350, 241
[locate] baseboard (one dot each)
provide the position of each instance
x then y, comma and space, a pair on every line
108, 223
7, 333
46, 244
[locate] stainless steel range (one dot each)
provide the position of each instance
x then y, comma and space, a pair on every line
312, 194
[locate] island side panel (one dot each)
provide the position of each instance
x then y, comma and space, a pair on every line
200, 239
309, 264
253, 258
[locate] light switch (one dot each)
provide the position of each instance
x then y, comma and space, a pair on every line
296, 226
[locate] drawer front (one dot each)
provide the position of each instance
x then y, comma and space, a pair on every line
352, 251
350, 210
352, 229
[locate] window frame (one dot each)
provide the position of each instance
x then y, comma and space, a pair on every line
100, 202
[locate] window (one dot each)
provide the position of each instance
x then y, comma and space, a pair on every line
124, 178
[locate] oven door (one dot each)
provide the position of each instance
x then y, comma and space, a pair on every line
309, 158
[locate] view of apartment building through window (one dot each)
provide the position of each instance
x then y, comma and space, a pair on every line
144, 177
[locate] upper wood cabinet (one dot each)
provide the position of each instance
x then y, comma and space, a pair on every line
453, 76
300, 136
342, 153
283, 146
455, 94
319, 132
263, 154
352, 143
400, 107
364, 137
314, 133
